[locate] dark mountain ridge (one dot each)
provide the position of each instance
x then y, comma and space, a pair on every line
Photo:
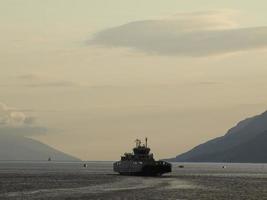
246, 143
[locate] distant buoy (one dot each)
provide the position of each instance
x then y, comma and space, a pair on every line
85, 165
224, 167
181, 166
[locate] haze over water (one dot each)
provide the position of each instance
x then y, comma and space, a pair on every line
89, 77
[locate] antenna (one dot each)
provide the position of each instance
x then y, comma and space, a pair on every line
146, 141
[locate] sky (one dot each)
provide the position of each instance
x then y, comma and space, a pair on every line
88, 77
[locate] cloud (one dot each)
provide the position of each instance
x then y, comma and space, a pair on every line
9, 116
15, 122
35, 80
185, 34
30, 77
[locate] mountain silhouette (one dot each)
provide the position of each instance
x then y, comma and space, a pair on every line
22, 148
244, 143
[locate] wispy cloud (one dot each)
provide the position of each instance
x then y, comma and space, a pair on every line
185, 34
35, 80
16, 122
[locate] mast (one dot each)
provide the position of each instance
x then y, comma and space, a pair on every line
137, 143
146, 142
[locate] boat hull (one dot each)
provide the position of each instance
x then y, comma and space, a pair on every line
130, 168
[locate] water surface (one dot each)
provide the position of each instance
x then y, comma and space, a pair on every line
70, 180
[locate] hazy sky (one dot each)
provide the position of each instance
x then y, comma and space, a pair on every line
90, 76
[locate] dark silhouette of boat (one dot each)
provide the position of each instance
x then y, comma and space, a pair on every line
141, 162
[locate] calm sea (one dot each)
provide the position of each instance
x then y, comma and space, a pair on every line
96, 180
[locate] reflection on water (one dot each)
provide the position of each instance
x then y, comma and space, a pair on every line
52, 180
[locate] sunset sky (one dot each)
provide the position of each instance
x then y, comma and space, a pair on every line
88, 77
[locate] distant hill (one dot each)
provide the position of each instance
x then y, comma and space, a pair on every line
23, 148
244, 143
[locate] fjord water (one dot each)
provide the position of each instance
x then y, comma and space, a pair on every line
71, 180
